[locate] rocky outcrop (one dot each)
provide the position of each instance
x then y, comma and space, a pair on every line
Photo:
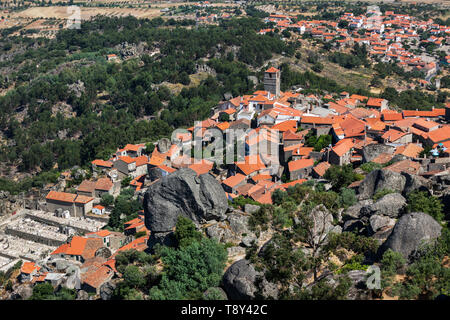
414, 182
251, 208
354, 211
163, 145
411, 231
322, 223
240, 282
378, 180
182, 193
390, 205
82, 295
358, 289
77, 88
23, 292
107, 290
378, 222
353, 225
402, 183
234, 229
372, 151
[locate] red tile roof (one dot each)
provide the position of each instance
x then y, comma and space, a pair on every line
203, 167
61, 196
127, 159
343, 147
104, 184
234, 180
83, 199
300, 164
321, 168
440, 135
102, 163
393, 135
272, 70
251, 164
28, 267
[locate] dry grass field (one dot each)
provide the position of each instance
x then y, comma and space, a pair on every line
123, 8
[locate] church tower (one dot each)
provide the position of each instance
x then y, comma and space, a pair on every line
272, 80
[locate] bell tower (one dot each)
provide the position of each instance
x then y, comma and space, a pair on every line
272, 80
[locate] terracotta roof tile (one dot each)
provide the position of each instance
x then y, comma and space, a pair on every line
321, 168
61, 196
28, 267
234, 180
300, 164
104, 184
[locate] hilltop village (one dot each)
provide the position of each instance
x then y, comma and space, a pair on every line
64, 241
388, 38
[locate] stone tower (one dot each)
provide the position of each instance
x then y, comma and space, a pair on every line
272, 79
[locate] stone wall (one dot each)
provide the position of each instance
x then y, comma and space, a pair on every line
34, 237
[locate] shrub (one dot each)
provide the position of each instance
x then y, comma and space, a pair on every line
420, 201
381, 193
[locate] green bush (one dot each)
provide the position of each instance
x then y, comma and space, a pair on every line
420, 201
186, 232
190, 270
381, 193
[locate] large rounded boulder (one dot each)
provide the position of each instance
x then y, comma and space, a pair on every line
182, 193
378, 180
240, 279
390, 205
412, 231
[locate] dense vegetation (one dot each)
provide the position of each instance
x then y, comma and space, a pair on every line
190, 268
53, 78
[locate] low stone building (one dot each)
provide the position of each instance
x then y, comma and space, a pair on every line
78, 205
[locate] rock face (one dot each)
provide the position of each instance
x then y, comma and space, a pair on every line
251, 208
354, 211
390, 205
414, 182
381, 179
163, 145
323, 223
154, 174
372, 151
403, 183
410, 232
24, 292
358, 289
82, 295
107, 290
234, 229
239, 282
378, 222
182, 193
353, 225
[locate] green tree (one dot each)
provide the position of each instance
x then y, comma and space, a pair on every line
42, 291
190, 270
340, 176
106, 200
185, 232
133, 276
420, 201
